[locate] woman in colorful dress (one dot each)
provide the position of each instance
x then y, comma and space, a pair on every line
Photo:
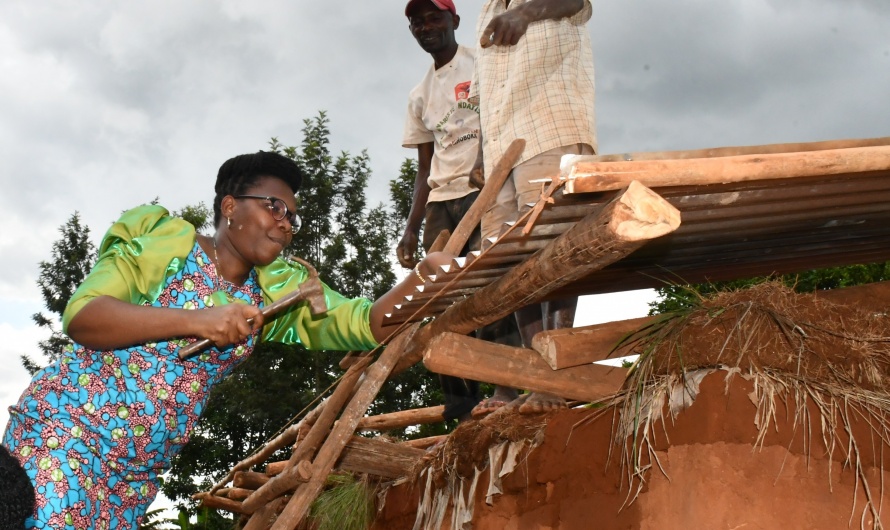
95, 429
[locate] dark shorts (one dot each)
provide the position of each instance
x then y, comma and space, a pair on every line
445, 215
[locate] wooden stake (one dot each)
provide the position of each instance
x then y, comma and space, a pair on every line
343, 430
460, 355
603, 237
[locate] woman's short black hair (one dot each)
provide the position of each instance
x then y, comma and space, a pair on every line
238, 174
16, 493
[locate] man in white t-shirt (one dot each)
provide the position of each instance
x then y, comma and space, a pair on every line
444, 128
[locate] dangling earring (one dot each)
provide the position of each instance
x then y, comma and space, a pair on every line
228, 222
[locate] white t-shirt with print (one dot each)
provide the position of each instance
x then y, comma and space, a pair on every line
439, 112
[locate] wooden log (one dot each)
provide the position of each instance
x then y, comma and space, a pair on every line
237, 494
219, 503
586, 177
404, 418
563, 348
343, 430
486, 198
265, 516
276, 468
424, 443
459, 355
250, 480
376, 457
306, 449
603, 237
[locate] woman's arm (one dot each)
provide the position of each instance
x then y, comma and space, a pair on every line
396, 295
108, 323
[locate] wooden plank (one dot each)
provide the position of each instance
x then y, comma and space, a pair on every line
587, 177
463, 356
401, 419
797, 147
563, 348
634, 217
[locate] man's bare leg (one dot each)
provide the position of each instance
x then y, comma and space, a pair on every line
554, 315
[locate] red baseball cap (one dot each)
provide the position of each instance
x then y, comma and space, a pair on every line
444, 5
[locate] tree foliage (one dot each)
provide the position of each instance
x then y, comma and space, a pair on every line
72, 257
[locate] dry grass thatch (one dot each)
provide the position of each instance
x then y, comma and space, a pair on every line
828, 363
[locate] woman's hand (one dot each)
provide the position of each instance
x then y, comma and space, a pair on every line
227, 324
107, 323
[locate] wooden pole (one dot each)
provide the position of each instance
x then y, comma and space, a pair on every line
367, 455
563, 348
460, 355
486, 198
307, 447
404, 418
251, 480
219, 503
265, 516
603, 237
424, 443
440, 241
343, 430
586, 177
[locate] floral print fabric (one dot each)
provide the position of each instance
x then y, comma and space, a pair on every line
94, 430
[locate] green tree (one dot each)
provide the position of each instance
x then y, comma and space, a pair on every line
72, 257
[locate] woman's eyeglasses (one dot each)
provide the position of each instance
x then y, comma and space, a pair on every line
278, 209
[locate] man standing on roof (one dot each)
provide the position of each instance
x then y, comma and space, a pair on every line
444, 127
533, 80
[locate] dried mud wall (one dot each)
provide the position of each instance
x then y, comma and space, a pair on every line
708, 474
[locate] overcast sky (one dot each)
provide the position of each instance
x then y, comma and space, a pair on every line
105, 104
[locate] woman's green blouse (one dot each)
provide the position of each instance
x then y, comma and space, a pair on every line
147, 245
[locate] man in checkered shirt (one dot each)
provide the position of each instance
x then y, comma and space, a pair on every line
533, 80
